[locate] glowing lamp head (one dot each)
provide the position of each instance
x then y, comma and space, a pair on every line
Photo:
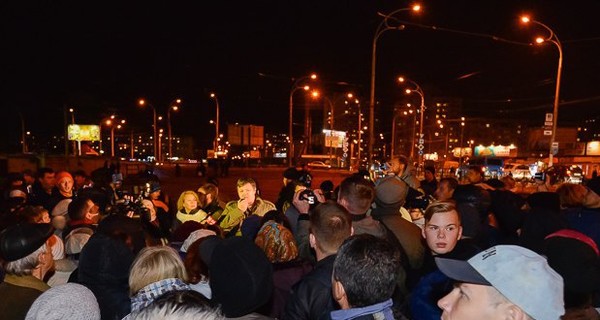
306, 88
178, 100
525, 19
315, 94
212, 95
313, 76
416, 7
539, 40
400, 79
408, 91
142, 102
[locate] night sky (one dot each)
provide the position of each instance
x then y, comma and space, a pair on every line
100, 57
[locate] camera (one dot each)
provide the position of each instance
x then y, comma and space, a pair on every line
540, 176
308, 195
124, 206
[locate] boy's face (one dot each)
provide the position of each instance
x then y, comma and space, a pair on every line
442, 232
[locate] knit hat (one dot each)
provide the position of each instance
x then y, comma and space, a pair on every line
61, 208
154, 186
521, 275
291, 173
61, 175
241, 276
277, 242
575, 257
23, 239
66, 301
198, 234
391, 192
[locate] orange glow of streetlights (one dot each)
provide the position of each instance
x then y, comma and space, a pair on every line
142, 102
408, 91
539, 40
416, 7
306, 88
313, 76
314, 94
525, 19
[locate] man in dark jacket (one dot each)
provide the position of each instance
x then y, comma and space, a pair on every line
330, 224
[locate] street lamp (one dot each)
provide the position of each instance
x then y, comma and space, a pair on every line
332, 118
143, 103
553, 38
420, 92
173, 107
381, 28
216, 143
295, 87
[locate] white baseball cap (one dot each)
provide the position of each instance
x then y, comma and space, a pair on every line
521, 275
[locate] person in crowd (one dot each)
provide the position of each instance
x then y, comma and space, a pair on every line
188, 209
248, 204
442, 233
326, 228
155, 271
474, 175
473, 203
154, 227
104, 266
64, 188
430, 183
286, 194
542, 218
575, 257
327, 188
364, 278
502, 282
197, 269
390, 196
280, 247
66, 301
26, 260
60, 216
39, 214
241, 276
582, 209
211, 204
84, 215
400, 168
161, 201
41, 191
304, 176
81, 181
445, 189
179, 305
28, 179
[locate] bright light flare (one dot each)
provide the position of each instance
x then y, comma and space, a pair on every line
142, 102
212, 95
400, 79
315, 94
525, 19
313, 76
539, 40
306, 88
408, 91
416, 7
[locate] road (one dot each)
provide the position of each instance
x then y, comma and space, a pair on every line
269, 180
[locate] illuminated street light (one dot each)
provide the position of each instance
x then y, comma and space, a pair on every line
171, 108
381, 28
216, 142
420, 92
552, 38
143, 103
295, 87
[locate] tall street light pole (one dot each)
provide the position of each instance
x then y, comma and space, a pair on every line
216, 143
295, 87
552, 38
173, 107
381, 28
420, 92
143, 103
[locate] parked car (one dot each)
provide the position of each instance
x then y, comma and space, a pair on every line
492, 167
564, 173
319, 165
518, 171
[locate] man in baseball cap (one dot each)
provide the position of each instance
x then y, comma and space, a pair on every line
503, 282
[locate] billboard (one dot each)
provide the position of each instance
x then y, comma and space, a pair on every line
83, 132
334, 138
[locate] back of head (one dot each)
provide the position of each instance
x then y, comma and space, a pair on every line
331, 224
179, 305
277, 242
241, 276
571, 195
78, 208
209, 188
575, 257
357, 194
23, 239
66, 301
154, 264
391, 192
367, 267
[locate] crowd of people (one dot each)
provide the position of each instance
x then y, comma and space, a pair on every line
387, 246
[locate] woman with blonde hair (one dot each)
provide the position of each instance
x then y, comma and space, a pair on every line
189, 209
155, 271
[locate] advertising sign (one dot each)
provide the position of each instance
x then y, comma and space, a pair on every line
83, 132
